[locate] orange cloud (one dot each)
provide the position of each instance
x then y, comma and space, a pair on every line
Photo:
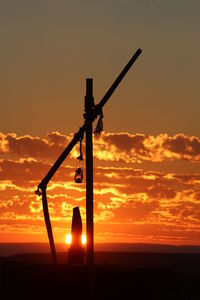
138, 147
114, 147
122, 195
129, 204
34, 147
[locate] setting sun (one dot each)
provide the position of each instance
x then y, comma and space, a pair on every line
68, 239
83, 239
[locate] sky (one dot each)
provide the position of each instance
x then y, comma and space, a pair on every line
146, 162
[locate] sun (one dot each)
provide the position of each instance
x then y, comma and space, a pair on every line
68, 239
83, 239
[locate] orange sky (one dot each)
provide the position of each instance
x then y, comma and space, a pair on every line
132, 203
146, 167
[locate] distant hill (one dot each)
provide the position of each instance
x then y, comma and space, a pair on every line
150, 248
7, 249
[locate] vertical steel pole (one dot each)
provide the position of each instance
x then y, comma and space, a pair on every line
89, 104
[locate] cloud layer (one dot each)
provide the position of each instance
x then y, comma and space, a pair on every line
109, 147
130, 204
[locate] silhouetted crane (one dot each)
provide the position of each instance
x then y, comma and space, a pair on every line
92, 111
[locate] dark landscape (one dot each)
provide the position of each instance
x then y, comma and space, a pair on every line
116, 275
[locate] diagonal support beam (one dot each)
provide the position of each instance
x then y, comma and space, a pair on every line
96, 111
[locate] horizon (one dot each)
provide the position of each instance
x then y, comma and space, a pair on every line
12, 249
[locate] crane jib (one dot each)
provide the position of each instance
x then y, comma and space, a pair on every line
96, 111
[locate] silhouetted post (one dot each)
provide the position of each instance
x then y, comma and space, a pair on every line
89, 105
48, 225
76, 250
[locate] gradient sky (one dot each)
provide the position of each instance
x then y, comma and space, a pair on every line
147, 161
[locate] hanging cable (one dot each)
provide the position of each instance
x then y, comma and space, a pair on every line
78, 176
80, 157
99, 126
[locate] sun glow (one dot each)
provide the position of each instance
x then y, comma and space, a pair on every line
83, 239
68, 239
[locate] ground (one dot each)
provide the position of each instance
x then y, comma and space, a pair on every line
114, 276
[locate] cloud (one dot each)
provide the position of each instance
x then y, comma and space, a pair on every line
3, 143
128, 202
24, 170
139, 147
57, 138
186, 147
32, 147
27, 146
114, 147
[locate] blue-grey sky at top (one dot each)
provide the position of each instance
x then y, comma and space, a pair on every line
48, 48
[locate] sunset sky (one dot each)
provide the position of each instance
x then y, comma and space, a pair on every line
147, 160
